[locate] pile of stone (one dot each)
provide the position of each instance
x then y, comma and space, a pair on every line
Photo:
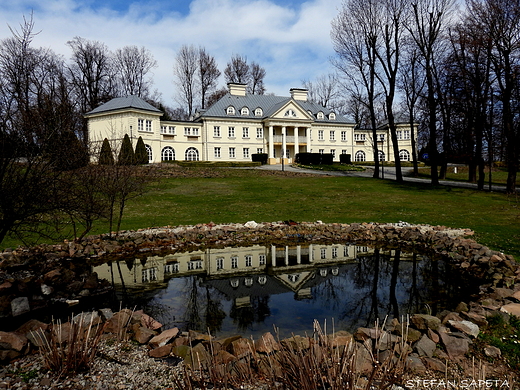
428, 343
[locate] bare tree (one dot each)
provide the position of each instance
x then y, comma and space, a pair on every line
355, 38
411, 82
208, 75
500, 21
185, 71
324, 90
92, 72
132, 66
429, 21
237, 70
33, 109
256, 85
216, 96
394, 18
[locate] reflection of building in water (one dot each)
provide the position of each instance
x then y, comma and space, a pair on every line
292, 265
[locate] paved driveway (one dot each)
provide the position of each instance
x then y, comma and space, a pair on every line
389, 174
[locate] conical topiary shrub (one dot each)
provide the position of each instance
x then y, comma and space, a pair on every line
141, 154
106, 157
126, 154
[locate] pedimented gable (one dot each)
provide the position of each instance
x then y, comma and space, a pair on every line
291, 110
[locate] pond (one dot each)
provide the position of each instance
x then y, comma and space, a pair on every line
250, 290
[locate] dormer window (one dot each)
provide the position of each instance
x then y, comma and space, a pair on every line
290, 113
231, 110
332, 116
244, 111
258, 112
320, 115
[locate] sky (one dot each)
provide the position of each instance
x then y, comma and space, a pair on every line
289, 38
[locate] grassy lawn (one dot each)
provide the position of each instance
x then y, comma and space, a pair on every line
238, 195
498, 175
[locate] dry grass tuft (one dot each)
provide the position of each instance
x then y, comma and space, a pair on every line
70, 347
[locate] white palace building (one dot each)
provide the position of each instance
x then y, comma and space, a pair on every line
241, 124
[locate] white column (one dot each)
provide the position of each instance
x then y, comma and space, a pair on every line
286, 255
296, 145
311, 252
298, 254
308, 134
273, 255
271, 142
284, 141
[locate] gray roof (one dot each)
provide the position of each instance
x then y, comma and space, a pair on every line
124, 102
269, 105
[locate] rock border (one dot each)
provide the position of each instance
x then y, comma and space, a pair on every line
500, 274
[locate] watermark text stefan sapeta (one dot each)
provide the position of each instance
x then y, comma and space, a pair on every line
469, 384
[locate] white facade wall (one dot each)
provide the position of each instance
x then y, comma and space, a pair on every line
236, 139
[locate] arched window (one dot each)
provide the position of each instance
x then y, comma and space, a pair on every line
168, 154
404, 155
149, 152
381, 155
320, 115
244, 111
332, 116
258, 112
191, 154
230, 110
360, 156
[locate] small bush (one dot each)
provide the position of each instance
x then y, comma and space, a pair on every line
141, 155
106, 157
126, 154
260, 157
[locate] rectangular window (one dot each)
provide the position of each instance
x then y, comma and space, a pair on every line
171, 268
320, 135
399, 135
381, 137
321, 151
261, 260
343, 135
231, 132
332, 135
334, 252
232, 153
149, 125
246, 152
234, 262
140, 124
189, 131
245, 132
259, 150
406, 134
323, 253
217, 152
216, 131
333, 151
343, 151
220, 263
168, 130
249, 261
345, 251
259, 132
359, 137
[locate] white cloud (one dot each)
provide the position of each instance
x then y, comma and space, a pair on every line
291, 44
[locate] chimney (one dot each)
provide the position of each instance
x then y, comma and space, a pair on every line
237, 89
299, 94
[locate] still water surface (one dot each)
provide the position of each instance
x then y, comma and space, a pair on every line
248, 290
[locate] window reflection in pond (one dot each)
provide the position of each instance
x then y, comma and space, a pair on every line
251, 289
